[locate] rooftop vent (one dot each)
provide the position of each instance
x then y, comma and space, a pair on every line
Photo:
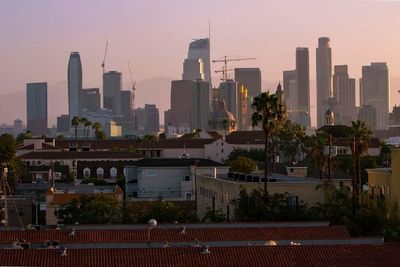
205, 250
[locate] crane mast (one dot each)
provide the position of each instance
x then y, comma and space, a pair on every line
103, 64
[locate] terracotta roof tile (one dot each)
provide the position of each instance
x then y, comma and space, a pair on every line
346, 255
173, 235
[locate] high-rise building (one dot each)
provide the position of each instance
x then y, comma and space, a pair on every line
303, 85
193, 69
228, 91
18, 128
375, 88
152, 115
179, 115
368, 114
112, 87
249, 78
324, 78
74, 84
148, 118
91, 99
200, 49
127, 104
344, 94
199, 105
36, 108
291, 94
63, 123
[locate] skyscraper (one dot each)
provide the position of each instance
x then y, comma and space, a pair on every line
375, 88
127, 104
249, 78
179, 114
112, 86
228, 91
324, 78
200, 49
344, 94
74, 84
303, 85
36, 107
91, 99
200, 105
193, 69
291, 94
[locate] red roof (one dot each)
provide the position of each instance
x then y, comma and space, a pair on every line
173, 235
345, 255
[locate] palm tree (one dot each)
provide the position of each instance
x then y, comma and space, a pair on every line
361, 132
269, 113
98, 132
76, 120
87, 124
149, 139
83, 121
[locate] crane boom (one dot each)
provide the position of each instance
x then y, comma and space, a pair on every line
103, 65
225, 60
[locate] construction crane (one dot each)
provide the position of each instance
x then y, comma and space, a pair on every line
103, 65
133, 85
224, 72
225, 60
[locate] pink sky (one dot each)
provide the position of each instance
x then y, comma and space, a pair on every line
37, 36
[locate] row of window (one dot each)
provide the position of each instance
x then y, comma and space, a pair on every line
100, 172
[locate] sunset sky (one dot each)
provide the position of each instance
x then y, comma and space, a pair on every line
37, 36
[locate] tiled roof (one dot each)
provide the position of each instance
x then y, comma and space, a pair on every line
173, 235
345, 255
161, 143
175, 162
246, 137
79, 155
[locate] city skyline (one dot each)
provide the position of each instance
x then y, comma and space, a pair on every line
274, 42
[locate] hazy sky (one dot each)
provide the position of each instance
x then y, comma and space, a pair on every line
37, 36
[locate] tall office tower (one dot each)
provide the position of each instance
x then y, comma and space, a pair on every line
243, 119
250, 78
375, 88
112, 87
152, 116
324, 79
199, 105
36, 108
91, 99
368, 114
344, 94
291, 94
228, 91
180, 103
74, 84
200, 49
193, 69
63, 123
303, 85
127, 104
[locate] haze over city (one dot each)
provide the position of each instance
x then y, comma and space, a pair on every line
154, 35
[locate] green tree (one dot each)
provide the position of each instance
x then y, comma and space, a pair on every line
22, 136
98, 131
255, 154
361, 133
242, 164
314, 147
91, 210
269, 114
289, 138
7, 148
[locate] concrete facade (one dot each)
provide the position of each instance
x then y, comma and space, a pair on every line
74, 84
36, 108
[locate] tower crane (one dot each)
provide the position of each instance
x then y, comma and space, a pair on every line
224, 72
103, 64
133, 85
225, 60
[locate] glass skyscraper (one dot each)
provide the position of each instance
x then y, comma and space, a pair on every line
74, 84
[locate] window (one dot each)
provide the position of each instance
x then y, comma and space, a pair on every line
188, 196
151, 173
186, 178
86, 172
294, 201
222, 150
113, 172
100, 172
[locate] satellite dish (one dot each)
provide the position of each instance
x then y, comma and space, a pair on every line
152, 223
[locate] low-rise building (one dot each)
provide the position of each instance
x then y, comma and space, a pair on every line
171, 179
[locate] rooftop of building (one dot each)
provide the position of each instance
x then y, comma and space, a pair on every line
177, 162
334, 255
259, 177
54, 155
